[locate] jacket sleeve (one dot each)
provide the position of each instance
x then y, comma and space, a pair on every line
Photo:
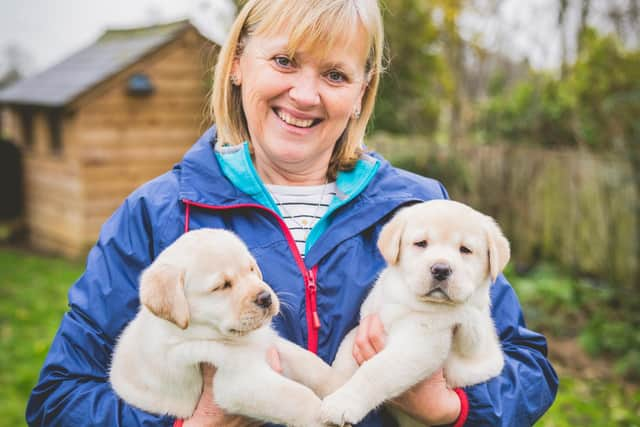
73, 388
528, 384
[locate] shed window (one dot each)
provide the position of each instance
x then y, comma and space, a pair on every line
26, 122
139, 85
55, 130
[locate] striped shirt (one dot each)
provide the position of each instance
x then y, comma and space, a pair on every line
301, 207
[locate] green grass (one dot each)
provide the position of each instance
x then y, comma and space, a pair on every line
563, 306
33, 297
594, 404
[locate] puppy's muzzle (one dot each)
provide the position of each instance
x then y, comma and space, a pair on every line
439, 291
263, 300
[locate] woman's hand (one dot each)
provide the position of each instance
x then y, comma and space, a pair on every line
208, 414
430, 401
370, 338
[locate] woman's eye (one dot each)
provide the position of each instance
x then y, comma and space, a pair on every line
465, 250
336, 77
421, 244
282, 61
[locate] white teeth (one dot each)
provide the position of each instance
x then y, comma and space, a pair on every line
293, 121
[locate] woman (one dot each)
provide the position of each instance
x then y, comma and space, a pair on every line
285, 170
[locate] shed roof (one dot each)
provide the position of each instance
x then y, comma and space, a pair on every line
111, 53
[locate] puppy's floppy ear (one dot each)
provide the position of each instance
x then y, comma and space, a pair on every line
499, 250
391, 238
162, 292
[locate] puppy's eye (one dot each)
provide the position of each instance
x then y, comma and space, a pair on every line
227, 284
421, 244
465, 250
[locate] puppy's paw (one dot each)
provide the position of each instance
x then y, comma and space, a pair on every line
342, 409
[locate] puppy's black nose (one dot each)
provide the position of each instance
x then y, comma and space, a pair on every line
263, 299
440, 271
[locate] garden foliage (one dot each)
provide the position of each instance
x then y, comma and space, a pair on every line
570, 208
596, 105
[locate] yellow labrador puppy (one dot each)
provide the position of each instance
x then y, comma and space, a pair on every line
203, 300
433, 299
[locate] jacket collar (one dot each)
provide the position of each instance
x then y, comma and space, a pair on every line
373, 191
202, 180
375, 180
207, 163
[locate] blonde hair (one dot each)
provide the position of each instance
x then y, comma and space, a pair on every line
316, 25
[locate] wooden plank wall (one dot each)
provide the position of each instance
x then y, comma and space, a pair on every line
54, 205
53, 192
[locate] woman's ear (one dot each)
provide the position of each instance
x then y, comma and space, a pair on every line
162, 292
391, 238
363, 90
235, 75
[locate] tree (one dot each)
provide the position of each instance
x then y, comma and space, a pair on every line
608, 104
10, 76
15, 63
595, 106
154, 14
453, 52
411, 87
562, 18
584, 15
15, 57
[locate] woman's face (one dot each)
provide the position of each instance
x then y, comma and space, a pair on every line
297, 108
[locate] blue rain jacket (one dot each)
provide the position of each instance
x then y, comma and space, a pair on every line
321, 292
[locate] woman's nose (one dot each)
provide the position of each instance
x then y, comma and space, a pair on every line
304, 89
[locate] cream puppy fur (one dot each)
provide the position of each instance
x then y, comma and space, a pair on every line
433, 300
203, 300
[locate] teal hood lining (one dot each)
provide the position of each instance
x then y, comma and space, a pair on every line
236, 164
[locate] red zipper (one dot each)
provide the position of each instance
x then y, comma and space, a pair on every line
310, 276
313, 319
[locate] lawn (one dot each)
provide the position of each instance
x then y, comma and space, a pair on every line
33, 298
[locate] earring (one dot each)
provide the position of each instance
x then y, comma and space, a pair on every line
234, 80
356, 113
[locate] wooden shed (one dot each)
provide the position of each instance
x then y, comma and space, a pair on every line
103, 121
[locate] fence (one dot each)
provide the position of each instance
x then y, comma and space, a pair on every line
570, 207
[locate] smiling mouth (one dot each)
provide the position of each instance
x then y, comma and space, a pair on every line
299, 123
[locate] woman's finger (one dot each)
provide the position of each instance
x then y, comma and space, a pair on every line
377, 334
364, 347
208, 371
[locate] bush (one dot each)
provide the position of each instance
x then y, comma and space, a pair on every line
533, 111
564, 306
448, 168
605, 335
595, 106
593, 403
